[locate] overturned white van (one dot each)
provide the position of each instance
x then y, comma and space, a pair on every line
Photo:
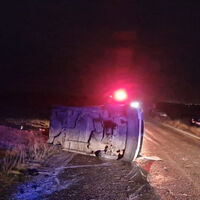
113, 131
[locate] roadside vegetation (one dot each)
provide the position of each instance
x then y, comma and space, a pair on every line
181, 124
177, 115
22, 152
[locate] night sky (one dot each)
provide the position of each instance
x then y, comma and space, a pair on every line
56, 50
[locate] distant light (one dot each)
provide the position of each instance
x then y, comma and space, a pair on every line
120, 95
135, 104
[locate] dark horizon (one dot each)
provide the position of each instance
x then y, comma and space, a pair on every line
86, 49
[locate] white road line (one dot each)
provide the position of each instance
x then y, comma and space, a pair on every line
181, 131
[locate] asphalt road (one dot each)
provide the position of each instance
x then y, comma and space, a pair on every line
177, 174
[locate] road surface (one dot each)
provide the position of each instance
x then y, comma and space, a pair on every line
70, 176
177, 174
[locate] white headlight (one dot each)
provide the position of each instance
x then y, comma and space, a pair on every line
135, 104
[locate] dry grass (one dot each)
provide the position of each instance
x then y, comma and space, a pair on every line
183, 126
35, 123
40, 152
13, 160
21, 148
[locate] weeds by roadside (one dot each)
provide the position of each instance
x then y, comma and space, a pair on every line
180, 124
19, 150
183, 126
17, 159
12, 160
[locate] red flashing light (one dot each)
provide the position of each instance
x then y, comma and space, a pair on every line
120, 95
